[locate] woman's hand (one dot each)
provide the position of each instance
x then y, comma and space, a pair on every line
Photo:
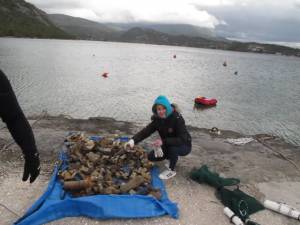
157, 143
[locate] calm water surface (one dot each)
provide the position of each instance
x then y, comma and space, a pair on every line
64, 77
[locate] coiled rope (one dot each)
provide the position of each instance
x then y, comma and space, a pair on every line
239, 141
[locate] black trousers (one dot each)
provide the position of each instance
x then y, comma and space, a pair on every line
171, 153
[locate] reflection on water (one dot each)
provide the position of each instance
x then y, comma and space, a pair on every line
65, 77
204, 107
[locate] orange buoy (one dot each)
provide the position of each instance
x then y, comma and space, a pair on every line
174, 56
104, 75
224, 63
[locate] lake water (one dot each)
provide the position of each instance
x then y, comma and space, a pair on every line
64, 77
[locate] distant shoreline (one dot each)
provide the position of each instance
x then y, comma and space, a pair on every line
150, 44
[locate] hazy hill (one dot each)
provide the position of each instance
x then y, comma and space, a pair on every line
141, 35
84, 29
88, 29
175, 29
21, 19
263, 48
150, 36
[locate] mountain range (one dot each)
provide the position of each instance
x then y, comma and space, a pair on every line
160, 34
174, 29
84, 29
89, 29
21, 19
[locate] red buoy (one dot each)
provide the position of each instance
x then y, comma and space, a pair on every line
104, 75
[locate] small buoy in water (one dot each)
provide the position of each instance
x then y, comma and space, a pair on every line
224, 63
104, 74
236, 73
174, 56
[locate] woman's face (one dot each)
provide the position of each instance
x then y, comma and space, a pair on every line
161, 111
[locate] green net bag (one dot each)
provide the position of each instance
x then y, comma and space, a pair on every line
203, 175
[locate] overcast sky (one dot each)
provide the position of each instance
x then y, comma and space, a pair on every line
267, 21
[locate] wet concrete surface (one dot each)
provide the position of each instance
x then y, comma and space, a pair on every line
254, 164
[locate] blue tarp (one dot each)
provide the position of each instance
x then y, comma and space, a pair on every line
50, 206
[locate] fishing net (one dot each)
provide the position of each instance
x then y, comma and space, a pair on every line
237, 201
203, 175
239, 141
240, 203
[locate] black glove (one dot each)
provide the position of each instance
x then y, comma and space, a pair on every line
32, 167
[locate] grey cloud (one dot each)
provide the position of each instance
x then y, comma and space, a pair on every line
56, 4
261, 28
297, 5
268, 22
128, 17
257, 23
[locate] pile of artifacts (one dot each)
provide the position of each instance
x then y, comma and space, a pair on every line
104, 166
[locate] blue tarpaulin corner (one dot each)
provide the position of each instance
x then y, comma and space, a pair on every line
50, 207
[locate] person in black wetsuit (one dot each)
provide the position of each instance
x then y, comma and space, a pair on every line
17, 124
175, 139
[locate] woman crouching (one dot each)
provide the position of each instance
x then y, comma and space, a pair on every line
175, 139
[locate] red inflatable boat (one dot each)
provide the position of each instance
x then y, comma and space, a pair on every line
205, 101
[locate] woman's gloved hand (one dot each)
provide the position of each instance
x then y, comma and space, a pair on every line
32, 167
158, 152
129, 144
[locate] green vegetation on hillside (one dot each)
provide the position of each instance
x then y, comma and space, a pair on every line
82, 28
21, 19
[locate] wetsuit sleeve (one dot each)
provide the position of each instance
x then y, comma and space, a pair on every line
144, 133
16, 122
182, 135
